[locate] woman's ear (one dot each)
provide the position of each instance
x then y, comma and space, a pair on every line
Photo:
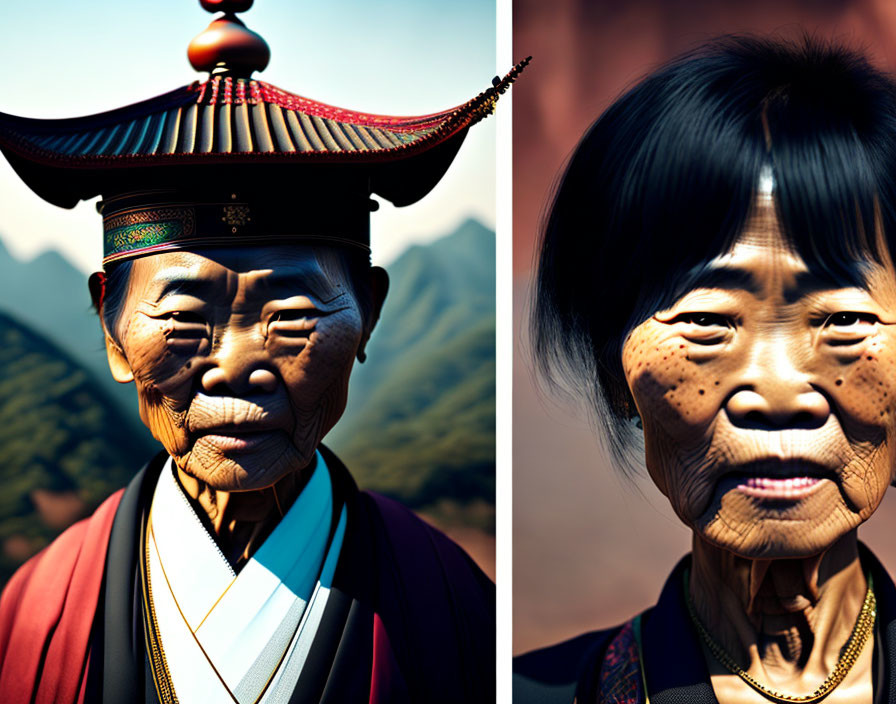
379, 287
118, 363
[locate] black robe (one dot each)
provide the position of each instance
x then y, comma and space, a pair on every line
436, 605
675, 668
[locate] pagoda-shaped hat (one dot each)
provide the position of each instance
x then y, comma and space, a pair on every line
236, 160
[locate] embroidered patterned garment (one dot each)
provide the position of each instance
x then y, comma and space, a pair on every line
620, 673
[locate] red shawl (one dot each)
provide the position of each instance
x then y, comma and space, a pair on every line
47, 610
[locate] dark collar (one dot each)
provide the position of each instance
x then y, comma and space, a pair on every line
673, 659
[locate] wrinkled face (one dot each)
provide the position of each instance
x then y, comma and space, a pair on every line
241, 357
767, 398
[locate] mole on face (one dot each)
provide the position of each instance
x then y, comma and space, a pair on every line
767, 398
241, 358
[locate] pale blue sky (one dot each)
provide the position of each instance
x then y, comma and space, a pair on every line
402, 57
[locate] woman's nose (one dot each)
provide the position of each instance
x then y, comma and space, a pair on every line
773, 393
759, 408
239, 366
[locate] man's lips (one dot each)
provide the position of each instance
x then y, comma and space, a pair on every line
233, 416
243, 440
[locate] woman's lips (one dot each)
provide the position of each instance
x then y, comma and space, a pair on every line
778, 488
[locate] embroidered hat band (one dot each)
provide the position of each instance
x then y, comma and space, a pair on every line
137, 224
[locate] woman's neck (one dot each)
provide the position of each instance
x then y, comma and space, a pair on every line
784, 621
241, 520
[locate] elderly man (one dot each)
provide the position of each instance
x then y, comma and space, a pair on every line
242, 564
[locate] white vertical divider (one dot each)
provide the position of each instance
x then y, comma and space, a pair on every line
504, 352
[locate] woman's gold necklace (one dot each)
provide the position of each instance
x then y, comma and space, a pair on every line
848, 656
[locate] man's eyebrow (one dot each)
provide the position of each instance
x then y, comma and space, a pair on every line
179, 281
291, 282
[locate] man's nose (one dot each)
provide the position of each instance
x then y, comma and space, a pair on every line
239, 365
774, 392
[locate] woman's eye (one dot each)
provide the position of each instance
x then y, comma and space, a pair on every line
705, 319
847, 319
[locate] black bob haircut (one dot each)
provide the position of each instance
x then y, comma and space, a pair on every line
665, 180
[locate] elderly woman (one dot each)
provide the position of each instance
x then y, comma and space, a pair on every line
716, 272
242, 564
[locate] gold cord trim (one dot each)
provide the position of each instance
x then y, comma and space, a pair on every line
186, 623
161, 676
217, 601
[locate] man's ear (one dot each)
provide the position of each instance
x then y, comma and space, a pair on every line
118, 363
379, 287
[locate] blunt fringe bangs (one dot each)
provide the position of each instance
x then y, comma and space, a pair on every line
665, 180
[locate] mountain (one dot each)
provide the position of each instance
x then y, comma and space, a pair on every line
65, 444
420, 423
50, 295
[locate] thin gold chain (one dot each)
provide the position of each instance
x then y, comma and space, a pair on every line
848, 656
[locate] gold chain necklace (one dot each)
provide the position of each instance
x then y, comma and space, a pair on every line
848, 656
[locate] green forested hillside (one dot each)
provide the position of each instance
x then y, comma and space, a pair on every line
65, 444
420, 423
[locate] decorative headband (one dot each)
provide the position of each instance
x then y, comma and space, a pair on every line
133, 230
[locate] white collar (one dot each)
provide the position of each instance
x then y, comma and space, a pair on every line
244, 623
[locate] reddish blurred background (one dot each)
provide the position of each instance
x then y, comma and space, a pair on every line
589, 548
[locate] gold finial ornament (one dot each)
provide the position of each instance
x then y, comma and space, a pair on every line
227, 45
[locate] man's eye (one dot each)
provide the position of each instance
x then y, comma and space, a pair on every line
182, 316
180, 325
705, 319
285, 316
294, 322
847, 319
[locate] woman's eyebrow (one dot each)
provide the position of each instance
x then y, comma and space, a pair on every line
722, 276
809, 282
734, 278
